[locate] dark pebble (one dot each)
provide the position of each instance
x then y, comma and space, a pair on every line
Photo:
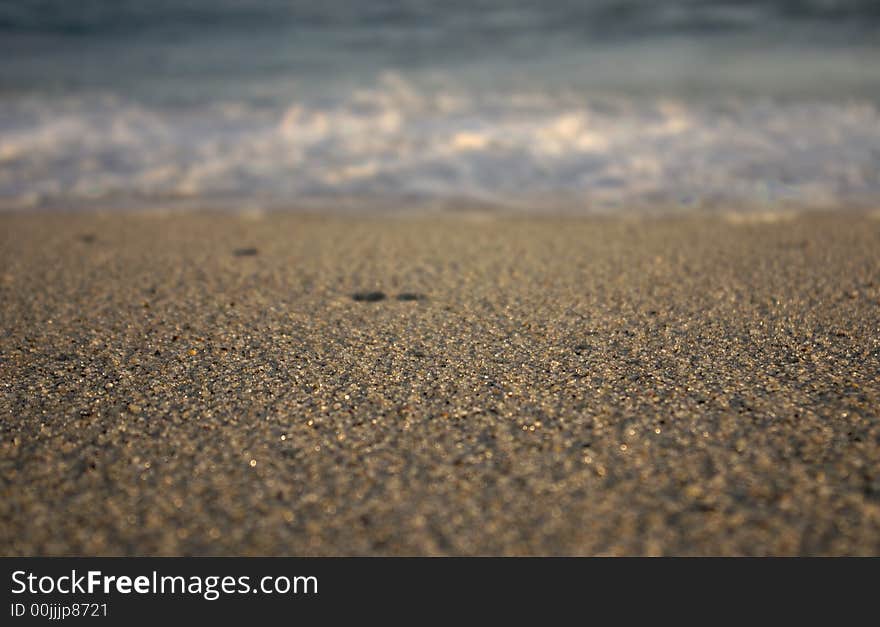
244, 252
411, 296
368, 297
87, 238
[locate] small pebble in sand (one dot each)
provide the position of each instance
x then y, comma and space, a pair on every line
408, 296
368, 297
244, 252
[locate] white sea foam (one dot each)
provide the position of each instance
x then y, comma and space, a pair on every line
396, 141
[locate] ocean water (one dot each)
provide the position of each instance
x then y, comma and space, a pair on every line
596, 105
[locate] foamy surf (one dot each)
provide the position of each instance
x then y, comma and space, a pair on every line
394, 141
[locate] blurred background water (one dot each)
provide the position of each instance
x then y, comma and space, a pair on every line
598, 104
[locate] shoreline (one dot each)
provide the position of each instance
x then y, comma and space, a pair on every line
553, 206
210, 384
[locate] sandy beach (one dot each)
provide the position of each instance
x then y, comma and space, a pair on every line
285, 384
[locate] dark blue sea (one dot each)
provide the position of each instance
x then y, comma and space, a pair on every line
597, 105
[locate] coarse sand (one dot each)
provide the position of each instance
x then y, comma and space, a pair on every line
470, 383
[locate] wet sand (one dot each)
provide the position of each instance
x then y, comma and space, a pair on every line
468, 384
